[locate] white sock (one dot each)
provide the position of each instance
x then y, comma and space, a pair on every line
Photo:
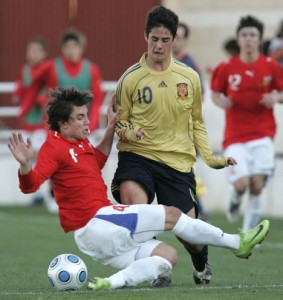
201, 233
142, 270
252, 212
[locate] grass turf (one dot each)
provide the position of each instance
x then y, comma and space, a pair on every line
31, 238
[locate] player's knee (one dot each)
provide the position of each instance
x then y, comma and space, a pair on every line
167, 252
172, 216
192, 213
241, 188
132, 192
257, 186
256, 190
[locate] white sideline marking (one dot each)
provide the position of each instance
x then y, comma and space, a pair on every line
241, 287
234, 287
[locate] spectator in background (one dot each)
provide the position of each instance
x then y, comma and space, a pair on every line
180, 49
244, 87
265, 47
72, 69
32, 113
180, 52
231, 47
275, 49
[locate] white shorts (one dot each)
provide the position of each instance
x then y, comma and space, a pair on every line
118, 235
37, 137
254, 157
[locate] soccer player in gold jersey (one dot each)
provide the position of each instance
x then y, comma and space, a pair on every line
160, 126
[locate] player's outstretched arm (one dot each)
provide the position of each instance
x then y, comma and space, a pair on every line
113, 117
23, 152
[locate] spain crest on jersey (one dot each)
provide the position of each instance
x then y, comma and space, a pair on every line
182, 91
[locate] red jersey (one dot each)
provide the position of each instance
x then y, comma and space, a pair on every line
245, 84
32, 112
74, 168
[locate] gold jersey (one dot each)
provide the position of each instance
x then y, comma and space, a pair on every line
167, 105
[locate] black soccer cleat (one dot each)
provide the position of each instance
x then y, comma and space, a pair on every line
163, 280
203, 277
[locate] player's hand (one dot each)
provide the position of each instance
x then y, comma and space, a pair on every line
23, 152
269, 99
221, 100
140, 134
113, 116
231, 161
225, 102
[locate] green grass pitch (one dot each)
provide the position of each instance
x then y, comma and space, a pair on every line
31, 238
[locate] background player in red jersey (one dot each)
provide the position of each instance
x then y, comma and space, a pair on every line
120, 236
32, 111
72, 69
247, 87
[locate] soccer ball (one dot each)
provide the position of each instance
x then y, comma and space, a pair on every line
67, 272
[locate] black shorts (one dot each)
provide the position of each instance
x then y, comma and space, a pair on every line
172, 188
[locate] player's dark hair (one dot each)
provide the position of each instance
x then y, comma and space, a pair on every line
61, 105
160, 16
231, 46
186, 28
250, 21
265, 47
73, 35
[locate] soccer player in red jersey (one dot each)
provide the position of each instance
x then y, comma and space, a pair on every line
32, 114
247, 87
121, 236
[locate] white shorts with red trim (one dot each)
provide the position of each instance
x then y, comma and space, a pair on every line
256, 157
118, 235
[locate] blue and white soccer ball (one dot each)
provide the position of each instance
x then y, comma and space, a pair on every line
67, 272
